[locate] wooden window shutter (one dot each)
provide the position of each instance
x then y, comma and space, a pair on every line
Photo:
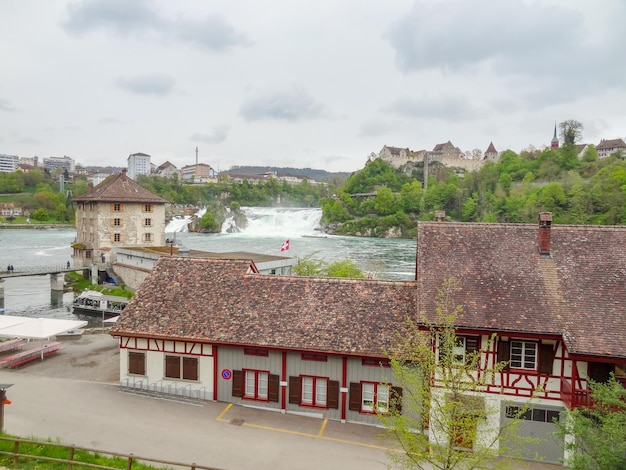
471, 344
121, 207
395, 404
295, 390
273, 387
354, 403
112, 222
332, 394
172, 366
237, 383
136, 363
190, 368
504, 353
546, 357
112, 207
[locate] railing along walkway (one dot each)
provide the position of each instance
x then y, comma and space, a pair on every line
20, 271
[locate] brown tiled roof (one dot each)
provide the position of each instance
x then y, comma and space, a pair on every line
215, 301
505, 285
119, 188
611, 144
491, 148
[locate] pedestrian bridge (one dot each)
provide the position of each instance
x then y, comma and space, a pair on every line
57, 279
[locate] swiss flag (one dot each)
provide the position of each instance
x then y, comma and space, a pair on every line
285, 246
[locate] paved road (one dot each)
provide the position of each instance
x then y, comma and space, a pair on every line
100, 416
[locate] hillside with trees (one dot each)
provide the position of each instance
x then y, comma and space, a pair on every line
380, 201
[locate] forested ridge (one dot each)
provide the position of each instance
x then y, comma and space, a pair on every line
515, 189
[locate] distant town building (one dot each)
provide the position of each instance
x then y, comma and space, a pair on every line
117, 212
64, 163
29, 161
138, 164
198, 173
166, 170
581, 149
608, 147
8, 163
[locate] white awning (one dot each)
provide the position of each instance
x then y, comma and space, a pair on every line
37, 328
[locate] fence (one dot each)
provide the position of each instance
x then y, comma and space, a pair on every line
71, 461
173, 390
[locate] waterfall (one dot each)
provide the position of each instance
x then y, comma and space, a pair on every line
262, 221
281, 222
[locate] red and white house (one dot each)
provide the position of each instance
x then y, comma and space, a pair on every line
551, 296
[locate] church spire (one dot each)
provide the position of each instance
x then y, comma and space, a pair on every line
555, 140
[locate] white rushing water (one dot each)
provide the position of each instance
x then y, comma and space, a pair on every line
262, 221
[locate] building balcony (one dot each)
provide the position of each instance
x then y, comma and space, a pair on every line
574, 397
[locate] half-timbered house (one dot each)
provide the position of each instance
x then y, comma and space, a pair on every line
548, 301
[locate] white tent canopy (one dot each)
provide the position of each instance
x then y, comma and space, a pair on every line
36, 328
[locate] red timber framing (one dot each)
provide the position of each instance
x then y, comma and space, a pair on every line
542, 382
344, 387
190, 348
283, 378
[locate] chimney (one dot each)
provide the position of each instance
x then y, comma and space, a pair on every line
124, 175
545, 221
440, 216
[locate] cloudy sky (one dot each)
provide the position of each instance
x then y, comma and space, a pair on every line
318, 84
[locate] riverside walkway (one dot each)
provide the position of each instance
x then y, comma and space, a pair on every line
37, 270
57, 281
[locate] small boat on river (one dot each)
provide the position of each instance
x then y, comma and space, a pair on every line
97, 304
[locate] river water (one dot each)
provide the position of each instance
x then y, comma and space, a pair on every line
389, 259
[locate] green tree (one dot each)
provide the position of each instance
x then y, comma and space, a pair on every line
571, 131
599, 431
309, 265
209, 223
346, 268
438, 422
40, 215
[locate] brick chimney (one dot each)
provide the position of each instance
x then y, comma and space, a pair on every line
440, 216
545, 221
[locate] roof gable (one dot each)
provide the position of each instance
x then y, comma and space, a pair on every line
119, 188
506, 285
216, 301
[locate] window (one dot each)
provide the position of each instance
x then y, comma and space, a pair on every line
523, 355
314, 391
117, 237
374, 397
147, 222
256, 385
368, 361
314, 357
532, 414
117, 207
117, 222
464, 346
371, 397
147, 207
255, 352
181, 367
147, 237
136, 363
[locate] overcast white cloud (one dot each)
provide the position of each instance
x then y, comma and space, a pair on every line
319, 84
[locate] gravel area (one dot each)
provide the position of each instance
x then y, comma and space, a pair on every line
94, 357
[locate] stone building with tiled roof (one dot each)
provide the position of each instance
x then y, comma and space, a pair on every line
117, 212
608, 147
547, 301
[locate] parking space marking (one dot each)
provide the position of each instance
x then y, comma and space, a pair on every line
319, 435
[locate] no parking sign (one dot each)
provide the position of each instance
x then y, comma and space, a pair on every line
226, 374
